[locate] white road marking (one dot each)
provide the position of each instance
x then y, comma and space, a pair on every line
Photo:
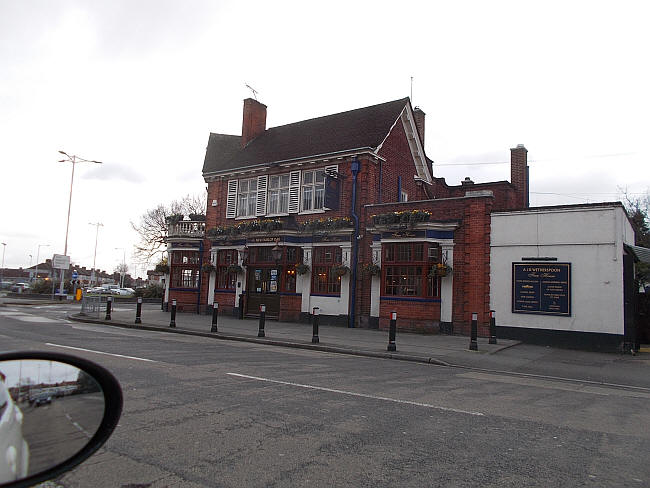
362, 395
101, 352
574, 386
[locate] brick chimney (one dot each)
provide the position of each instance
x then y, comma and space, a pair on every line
418, 115
519, 173
254, 122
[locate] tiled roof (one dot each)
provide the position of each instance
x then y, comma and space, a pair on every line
361, 128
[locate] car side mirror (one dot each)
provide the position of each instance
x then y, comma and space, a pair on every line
56, 410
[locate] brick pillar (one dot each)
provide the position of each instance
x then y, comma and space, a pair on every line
519, 174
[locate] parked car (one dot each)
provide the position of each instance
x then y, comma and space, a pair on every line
15, 452
42, 400
20, 287
124, 292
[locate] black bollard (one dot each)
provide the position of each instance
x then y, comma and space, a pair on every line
493, 327
262, 319
109, 302
473, 344
138, 311
241, 307
391, 332
162, 302
172, 322
215, 314
314, 335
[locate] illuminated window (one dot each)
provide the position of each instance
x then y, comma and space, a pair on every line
323, 280
406, 269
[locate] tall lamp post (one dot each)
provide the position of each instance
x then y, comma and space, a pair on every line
74, 160
96, 224
2, 269
122, 271
38, 254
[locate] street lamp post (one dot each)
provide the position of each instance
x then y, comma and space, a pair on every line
2, 269
96, 224
74, 160
38, 254
122, 271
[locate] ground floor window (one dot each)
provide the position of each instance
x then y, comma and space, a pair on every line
226, 277
323, 279
407, 270
185, 277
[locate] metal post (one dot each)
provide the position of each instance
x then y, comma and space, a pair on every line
493, 327
109, 301
162, 302
172, 322
241, 307
314, 335
215, 314
391, 332
473, 344
262, 319
138, 311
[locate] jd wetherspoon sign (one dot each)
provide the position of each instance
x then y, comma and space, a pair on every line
541, 288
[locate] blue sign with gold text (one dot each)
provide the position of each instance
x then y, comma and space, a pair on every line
541, 288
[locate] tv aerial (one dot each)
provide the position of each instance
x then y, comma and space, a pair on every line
253, 90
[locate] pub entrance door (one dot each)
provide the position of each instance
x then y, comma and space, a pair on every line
263, 288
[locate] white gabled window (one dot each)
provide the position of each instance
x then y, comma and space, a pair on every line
278, 194
247, 198
404, 197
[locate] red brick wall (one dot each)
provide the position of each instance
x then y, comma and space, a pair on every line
411, 316
290, 308
471, 269
185, 300
253, 121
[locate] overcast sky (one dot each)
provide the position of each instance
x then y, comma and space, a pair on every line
139, 85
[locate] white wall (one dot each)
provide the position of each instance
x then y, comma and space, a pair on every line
590, 238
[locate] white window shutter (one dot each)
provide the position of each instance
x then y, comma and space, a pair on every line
260, 205
294, 192
334, 169
231, 200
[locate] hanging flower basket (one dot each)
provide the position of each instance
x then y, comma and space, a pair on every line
439, 270
302, 268
208, 268
340, 270
162, 268
371, 269
234, 268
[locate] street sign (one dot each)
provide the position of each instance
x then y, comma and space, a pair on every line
75, 275
60, 261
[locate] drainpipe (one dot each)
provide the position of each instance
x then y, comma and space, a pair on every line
198, 295
355, 168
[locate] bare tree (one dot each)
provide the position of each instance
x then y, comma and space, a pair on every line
152, 226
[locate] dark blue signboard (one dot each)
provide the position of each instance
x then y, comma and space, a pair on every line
332, 192
541, 288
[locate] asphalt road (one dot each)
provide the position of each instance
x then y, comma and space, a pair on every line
203, 413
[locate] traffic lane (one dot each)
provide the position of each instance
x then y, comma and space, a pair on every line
450, 387
244, 431
171, 410
57, 431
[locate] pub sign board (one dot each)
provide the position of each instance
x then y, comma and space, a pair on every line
541, 288
332, 192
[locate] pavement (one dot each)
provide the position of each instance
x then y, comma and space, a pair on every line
360, 342
507, 356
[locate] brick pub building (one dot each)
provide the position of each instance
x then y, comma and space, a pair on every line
344, 213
